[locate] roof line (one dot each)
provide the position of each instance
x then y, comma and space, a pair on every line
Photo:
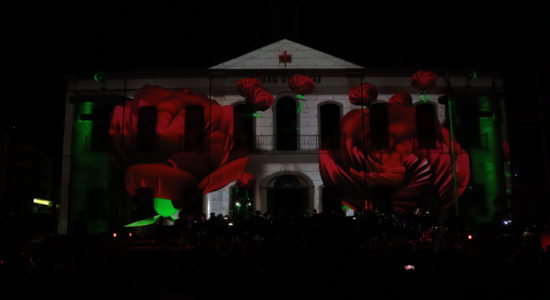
334, 62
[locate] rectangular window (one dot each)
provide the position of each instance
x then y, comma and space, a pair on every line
194, 128
100, 116
425, 126
147, 129
379, 126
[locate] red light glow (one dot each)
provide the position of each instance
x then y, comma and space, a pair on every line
406, 171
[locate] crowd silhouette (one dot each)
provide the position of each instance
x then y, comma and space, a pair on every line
301, 257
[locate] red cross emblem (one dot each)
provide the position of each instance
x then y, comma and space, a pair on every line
285, 58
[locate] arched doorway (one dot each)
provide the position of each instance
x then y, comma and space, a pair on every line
287, 196
286, 124
241, 200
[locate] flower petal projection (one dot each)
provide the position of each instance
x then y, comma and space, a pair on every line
170, 108
409, 173
363, 94
424, 80
301, 84
259, 99
246, 85
179, 164
223, 175
401, 98
246, 180
166, 181
255, 94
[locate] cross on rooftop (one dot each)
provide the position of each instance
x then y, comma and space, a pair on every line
285, 58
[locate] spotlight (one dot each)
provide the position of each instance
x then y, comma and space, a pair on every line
130, 234
114, 235
409, 267
42, 202
470, 237
230, 224
507, 222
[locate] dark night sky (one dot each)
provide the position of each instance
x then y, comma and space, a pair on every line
41, 45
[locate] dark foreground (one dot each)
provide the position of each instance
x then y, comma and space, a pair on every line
340, 258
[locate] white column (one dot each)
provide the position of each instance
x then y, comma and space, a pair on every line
63, 222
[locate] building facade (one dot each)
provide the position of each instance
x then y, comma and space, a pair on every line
282, 143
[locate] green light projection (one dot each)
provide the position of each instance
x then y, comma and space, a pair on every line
144, 222
94, 183
299, 110
86, 108
164, 207
485, 159
99, 76
423, 97
485, 103
451, 116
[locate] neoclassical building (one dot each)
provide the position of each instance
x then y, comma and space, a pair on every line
283, 142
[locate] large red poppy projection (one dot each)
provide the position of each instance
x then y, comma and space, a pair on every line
404, 172
177, 143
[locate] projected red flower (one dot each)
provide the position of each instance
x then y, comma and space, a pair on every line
246, 85
256, 96
401, 98
424, 80
363, 94
406, 172
259, 99
246, 180
301, 84
171, 169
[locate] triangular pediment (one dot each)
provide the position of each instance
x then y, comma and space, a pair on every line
297, 56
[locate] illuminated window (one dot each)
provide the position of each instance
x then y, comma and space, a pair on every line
194, 128
425, 125
147, 131
379, 126
329, 125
